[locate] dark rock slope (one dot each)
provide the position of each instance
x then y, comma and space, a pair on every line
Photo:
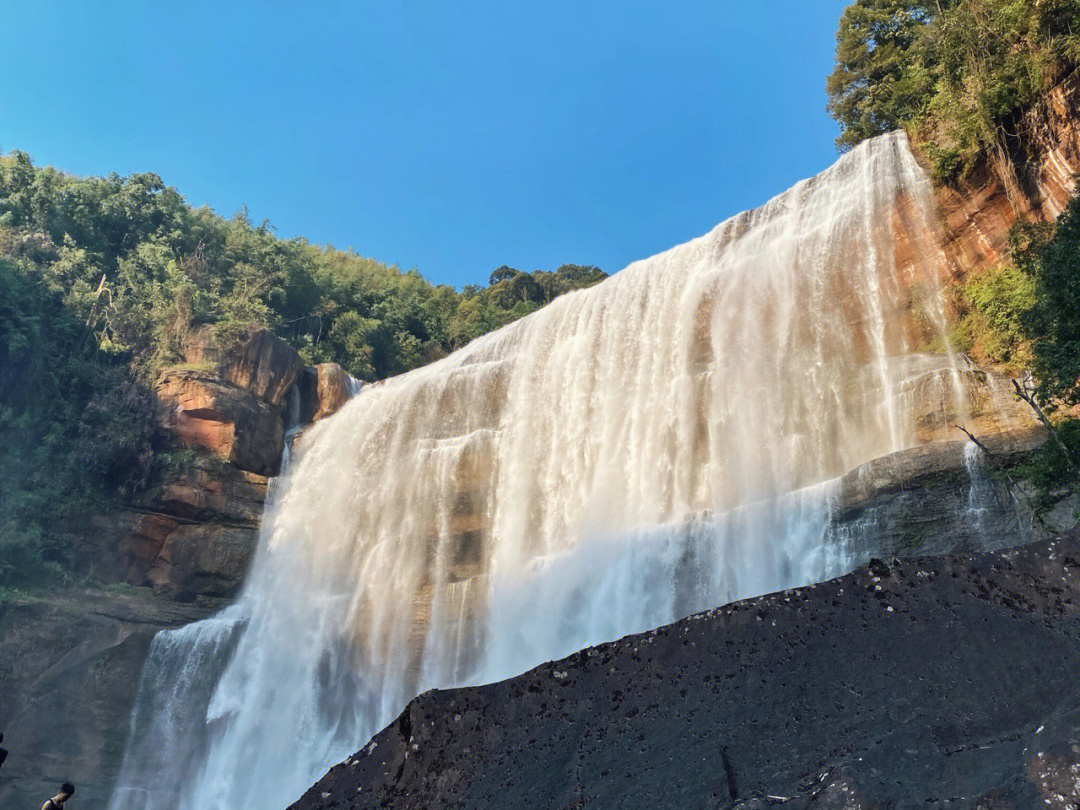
936, 682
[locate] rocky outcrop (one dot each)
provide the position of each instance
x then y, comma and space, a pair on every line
938, 498
188, 560
926, 384
323, 390
68, 677
198, 532
257, 360
203, 559
233, 398
201, 410
989, 408
229, 396
209, 491
191, 535
936, 682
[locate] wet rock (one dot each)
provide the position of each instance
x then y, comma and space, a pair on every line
926, 384
141, 546
930, 682
204, 559
198, 533
932, 500
187, 560
68, 675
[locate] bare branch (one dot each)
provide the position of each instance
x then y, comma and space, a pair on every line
1026, 392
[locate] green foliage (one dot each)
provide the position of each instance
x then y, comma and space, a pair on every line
1048, 471
875, 87
1053, 321
961, 72
102, 280
1001, 300
75, 426
140, 266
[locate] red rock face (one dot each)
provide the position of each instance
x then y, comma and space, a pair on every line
193, 534
259, 362
978, 213
198, 531
232, 422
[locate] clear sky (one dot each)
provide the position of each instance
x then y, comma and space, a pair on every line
450, 137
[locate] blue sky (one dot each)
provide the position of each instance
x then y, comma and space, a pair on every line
449, 137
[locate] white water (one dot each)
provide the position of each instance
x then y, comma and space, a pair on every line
662, 443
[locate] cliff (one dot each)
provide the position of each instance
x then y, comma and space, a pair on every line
72, 658
193, 532
190, 537
977, 211
942, 681
71, 662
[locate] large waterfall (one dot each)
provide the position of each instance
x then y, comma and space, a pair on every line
662, 443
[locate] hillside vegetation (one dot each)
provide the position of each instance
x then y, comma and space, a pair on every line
102, 279
958, 74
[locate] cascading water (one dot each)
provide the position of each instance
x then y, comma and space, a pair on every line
659, 444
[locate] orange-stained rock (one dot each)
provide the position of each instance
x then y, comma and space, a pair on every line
259, 361
977, 212
202, 410
323, 390
210, 491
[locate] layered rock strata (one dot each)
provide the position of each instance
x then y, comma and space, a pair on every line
978, 211
193, 534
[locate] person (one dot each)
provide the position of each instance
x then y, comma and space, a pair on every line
67, 790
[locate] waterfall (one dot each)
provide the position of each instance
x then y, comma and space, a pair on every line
662, 443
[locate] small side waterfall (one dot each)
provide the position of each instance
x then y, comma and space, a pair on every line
660, 444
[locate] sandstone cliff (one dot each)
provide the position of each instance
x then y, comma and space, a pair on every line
71, 659
978, 212
193, 533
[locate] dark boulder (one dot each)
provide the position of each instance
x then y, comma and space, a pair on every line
931, 682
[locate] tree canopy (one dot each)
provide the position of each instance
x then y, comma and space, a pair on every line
958, 73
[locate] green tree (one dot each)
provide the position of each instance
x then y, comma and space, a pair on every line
1053, 321
103, 279
959, 74
878, 83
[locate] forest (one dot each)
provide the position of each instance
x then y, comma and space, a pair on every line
103, 277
